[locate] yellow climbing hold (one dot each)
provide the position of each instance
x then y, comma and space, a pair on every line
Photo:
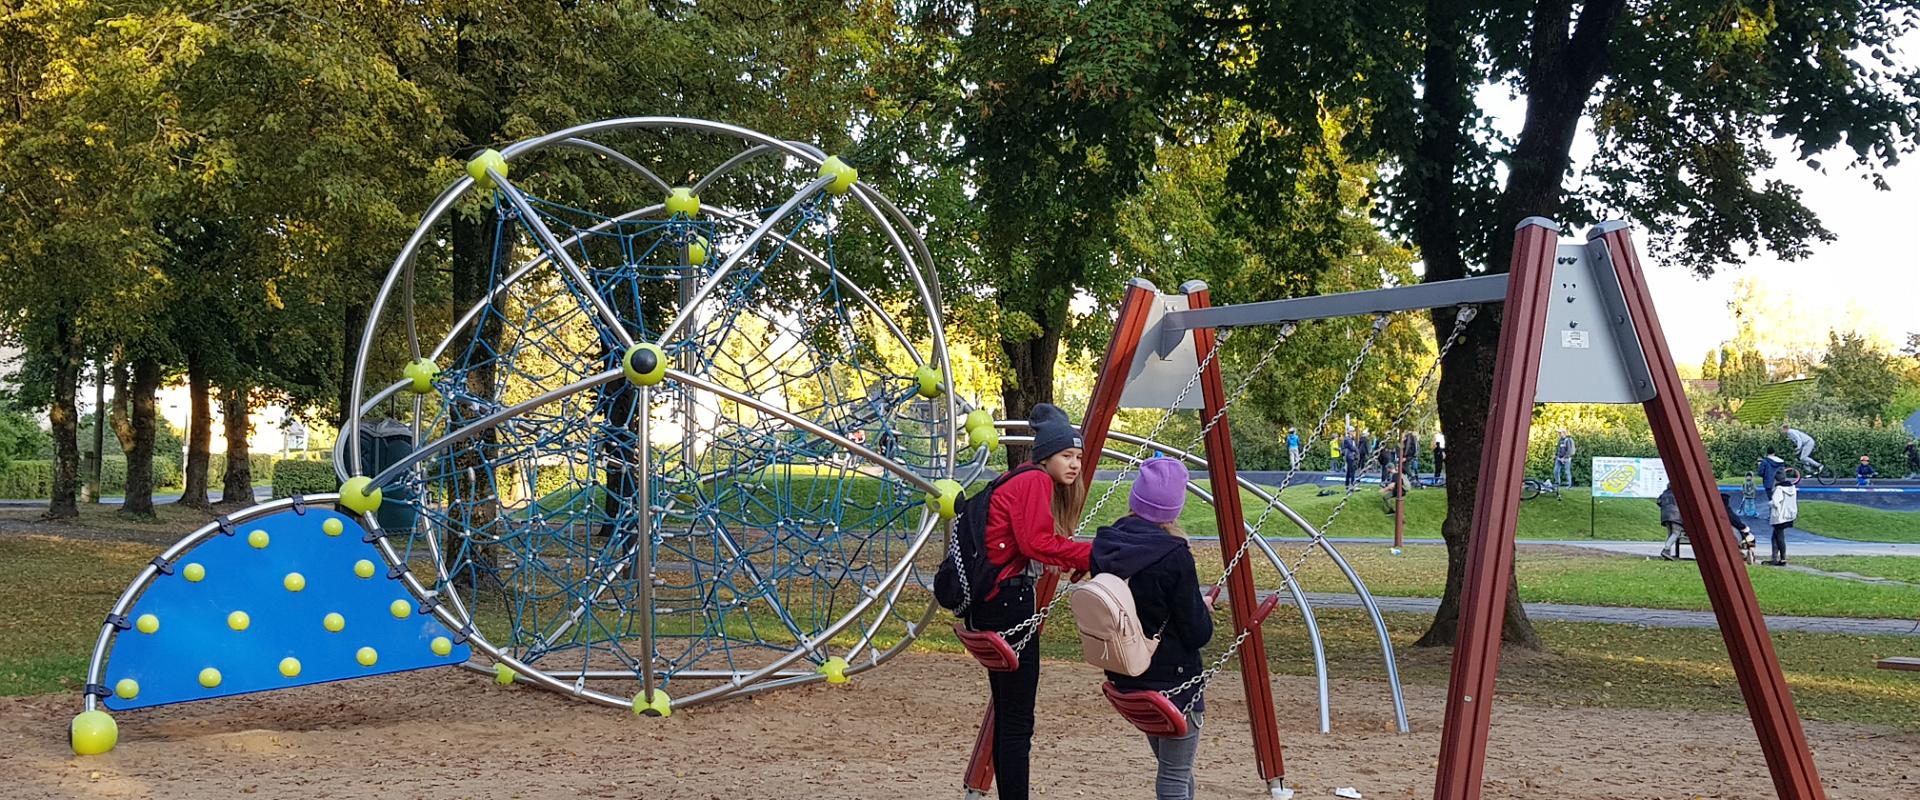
420, 373
488, 159
659, 706
92, 733
210, 677
928, 380
147, 623
644, 364
366, 656
843, 176
333, 526
290, 667
363, 568
334, 623
126, 688
258, 539
944, 500
400, 609
682, 201
239, 620
697, 251
294, 582
503, 674
835, 669
194, 573
441, 645
359, 494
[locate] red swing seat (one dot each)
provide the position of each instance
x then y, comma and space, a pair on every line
1148, 710
988, 647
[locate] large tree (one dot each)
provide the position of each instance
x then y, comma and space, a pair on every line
1684, 98
1062, 109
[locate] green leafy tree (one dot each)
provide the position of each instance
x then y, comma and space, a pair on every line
1857, 375
1684, 97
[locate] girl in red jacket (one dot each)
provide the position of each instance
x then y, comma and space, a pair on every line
1030, 523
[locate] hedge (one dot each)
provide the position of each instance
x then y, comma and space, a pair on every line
294, 476
1734, 448
262, 464
33, 478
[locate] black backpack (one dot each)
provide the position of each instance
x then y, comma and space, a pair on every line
966, 564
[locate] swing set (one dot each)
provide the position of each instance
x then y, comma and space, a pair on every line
1579, 326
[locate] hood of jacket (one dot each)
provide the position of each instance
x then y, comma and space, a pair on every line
1131, 545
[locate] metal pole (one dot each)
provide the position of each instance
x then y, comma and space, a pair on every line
1476, 653
1749, 647
1399, 509
643, 539
99, 430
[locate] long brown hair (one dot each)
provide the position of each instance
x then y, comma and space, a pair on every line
1068, 501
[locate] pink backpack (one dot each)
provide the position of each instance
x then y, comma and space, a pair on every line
1110, 634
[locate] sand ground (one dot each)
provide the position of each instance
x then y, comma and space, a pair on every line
903, 730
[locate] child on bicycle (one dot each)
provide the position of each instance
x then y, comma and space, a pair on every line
1863, 475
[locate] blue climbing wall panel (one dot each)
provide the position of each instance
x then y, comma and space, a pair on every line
316, 601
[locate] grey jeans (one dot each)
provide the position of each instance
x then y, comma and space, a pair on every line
1175, 756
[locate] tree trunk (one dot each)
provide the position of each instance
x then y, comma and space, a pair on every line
353, 322
1466, 374
1031, 364
97, 462
236, 404
146, 384
1562, 71
193, 492
120, 414
64, 418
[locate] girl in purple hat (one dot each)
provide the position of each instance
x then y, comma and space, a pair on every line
1149, 550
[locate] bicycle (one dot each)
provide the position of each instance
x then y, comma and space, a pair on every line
1823, 476
1534, 487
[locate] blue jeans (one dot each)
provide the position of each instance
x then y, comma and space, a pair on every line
1563, 472
1175, 756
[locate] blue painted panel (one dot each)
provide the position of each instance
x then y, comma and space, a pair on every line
194, 631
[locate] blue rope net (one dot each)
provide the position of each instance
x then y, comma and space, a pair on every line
764, 535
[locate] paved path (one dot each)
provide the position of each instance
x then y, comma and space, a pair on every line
1799, 543
260, 494
1645, 617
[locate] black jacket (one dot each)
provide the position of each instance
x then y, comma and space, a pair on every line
1166, 591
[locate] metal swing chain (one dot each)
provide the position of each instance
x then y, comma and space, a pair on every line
1465, 315
1462, 317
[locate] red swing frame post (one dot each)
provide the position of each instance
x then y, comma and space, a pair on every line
1224, 481
1476, 655
1129, 327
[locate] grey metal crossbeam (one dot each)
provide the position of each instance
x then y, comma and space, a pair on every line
1483, 289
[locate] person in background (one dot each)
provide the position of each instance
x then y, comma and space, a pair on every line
1863, 474
1351, 457
1769, 470
1563, 459
1387, 456
1293, 448
1410, 458
1439, 458
1783, 507
1803, 445
1335, 461
1365, 442
1913, 458
1670, 517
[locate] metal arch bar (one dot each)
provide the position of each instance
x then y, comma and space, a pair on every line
490, 421
552, 243
728, 165
1326, 545
1482, 289
97, 663
1307, 615
589, 145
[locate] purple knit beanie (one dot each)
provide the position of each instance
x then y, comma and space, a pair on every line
1160, 490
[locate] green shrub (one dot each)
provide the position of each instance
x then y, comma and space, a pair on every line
1733, 448
294, 476
27, 478
262, 464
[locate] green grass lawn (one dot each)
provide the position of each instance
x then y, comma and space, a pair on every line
1897, 568
1848, 521
56, 590
1578, 577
